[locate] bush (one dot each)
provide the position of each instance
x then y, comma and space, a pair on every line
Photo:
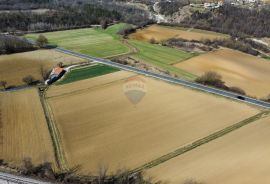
215, 80
29, 80
45, 171
241, 45
237, 90
267, 99
126, 31
104, 24
212, 79
152, 40
3, 84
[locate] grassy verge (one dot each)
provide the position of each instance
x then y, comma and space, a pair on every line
162, 57
201, 141
55, 135
87, 72
93, 41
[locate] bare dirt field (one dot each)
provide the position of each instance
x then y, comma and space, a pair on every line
237, 69
160, 33
239, 157
23, 128
101, 126
14, 67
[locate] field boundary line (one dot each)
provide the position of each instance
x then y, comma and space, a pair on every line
54, 132
201, 142
1, 125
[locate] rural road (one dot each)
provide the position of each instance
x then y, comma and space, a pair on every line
13, 179
167, 78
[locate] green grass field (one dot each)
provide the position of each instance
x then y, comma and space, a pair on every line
85, 73
92, 41
163, 57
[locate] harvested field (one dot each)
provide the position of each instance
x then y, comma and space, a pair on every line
87, 84
23, 130
239, 157
162, 33
96, 42
248, 72
100, 126
14, 67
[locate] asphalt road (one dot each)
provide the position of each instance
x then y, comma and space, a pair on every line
167, 78
13, 179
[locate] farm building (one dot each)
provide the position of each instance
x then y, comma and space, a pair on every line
56, 74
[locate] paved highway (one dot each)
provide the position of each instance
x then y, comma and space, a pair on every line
167, 78
13, 179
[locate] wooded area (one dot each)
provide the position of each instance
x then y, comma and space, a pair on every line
12, 44
233, 20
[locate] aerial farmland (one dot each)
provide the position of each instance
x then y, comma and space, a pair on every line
24, 131
108, 117
13, 68
120, 98
162, 33
240, 157
93, 41
237, 69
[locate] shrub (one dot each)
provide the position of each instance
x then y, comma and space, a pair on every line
212, 79
126, 31
152, 40
104, 24
237, 90
29, 79
267, 99
4, 84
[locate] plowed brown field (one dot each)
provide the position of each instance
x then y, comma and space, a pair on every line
161, 33
100, 126
237, 69
23, 130
239, 157
14, 67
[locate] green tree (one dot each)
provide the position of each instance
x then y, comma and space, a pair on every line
42, 41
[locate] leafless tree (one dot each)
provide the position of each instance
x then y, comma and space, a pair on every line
44, 72
28, 79
3, 83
